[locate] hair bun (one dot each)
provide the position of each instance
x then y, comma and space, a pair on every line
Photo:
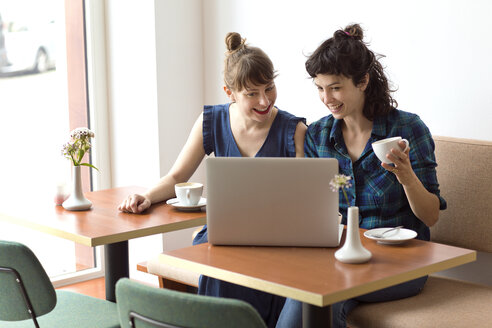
355, 31
234, 41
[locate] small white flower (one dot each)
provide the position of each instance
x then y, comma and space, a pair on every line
341, 181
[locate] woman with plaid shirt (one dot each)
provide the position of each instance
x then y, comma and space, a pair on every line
352, 84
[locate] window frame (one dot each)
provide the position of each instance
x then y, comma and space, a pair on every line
86, 86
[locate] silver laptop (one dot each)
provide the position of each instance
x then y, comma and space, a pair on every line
272, 201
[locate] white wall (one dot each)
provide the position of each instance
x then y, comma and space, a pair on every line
133, 107
155, 93
179, 48
155, 84
132, 92
437, 53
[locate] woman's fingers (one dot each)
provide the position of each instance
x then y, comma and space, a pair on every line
132, 204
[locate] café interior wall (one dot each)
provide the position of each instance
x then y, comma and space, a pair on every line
155, 84
437, 53
179, 57
132, 92
133, 107
155, 95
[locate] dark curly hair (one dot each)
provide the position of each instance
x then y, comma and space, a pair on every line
346, 54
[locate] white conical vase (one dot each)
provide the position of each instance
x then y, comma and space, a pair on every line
77, 200
352, 250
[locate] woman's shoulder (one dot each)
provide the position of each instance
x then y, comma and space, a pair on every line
216, 108
402, 117
408, 125
215, 112
321, 124
284, 115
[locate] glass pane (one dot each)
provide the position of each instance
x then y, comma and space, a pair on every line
34, 123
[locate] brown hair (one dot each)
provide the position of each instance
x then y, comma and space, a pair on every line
244, 65
346, 54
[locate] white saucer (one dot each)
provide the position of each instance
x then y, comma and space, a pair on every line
397, 237
175, 202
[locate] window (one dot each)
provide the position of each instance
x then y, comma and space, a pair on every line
43, 95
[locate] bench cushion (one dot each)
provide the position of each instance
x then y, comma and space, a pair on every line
154, 266
442, 303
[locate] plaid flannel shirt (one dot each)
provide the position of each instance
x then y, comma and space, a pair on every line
378, 194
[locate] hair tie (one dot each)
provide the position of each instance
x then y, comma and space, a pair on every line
347, 33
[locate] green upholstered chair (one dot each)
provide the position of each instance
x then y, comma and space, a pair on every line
142, 306
28, 299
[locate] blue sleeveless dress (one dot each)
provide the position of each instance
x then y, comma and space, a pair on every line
218, 138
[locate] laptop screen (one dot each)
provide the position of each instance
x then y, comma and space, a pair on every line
272, 201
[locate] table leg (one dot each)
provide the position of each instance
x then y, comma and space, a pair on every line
314, 316
116, 266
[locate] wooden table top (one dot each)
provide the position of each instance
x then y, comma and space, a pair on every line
313, 275
103, 223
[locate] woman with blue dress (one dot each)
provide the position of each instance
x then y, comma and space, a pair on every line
353, 86
249, 126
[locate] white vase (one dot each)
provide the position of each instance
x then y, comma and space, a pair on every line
77, 200
352, 250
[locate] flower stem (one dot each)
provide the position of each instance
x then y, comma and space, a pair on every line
346, 198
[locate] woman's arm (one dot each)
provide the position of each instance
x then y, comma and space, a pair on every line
424, 204
186, 164
299, 137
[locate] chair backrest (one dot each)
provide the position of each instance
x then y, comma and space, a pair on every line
464, 172
176, 309
18, 258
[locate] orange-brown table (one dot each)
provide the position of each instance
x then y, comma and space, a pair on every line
313, 275
103, 224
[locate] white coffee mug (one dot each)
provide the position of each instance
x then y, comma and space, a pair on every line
188, 193
383, 147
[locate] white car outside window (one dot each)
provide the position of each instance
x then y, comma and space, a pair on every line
29, 45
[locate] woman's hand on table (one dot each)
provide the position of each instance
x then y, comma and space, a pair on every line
135, 204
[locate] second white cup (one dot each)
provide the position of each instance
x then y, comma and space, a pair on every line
383, 147
188, 193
